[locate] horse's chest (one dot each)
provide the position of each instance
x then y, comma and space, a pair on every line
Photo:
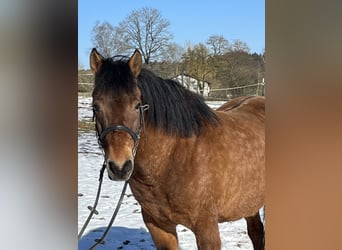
151, 198
167, 205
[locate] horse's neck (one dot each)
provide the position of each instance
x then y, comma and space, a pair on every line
154, 152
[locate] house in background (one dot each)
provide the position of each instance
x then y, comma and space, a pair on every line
193, 84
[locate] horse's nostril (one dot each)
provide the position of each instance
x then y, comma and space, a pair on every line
120, 171
113, 167
127, 167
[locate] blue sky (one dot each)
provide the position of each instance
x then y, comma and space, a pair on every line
190, 20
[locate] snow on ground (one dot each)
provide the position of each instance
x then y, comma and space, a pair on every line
128, 231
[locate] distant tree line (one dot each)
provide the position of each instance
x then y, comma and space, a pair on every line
221, 63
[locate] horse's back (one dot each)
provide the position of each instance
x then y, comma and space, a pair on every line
251, 104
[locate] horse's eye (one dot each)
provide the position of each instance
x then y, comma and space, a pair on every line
95, 108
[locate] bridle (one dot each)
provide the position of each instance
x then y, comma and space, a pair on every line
116, 128
101, 137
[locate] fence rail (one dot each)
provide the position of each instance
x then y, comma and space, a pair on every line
86, 83
215, 94
85, 86
229, 93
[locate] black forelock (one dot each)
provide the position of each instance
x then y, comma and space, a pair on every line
114, 76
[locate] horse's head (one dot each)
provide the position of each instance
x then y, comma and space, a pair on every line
117, 110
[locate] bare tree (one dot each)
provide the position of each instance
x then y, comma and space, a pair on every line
103, 38
107, 39
218, 45
146, 30
240, 46
173, 53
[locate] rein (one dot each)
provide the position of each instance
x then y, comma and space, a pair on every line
101, 137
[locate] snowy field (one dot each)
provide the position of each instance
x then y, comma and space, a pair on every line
128, 231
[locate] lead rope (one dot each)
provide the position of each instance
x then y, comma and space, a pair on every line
101, 240
94, 211
93, 208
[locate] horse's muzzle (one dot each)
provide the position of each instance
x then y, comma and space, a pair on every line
119, 173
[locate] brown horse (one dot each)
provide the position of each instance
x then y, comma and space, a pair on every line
193, 166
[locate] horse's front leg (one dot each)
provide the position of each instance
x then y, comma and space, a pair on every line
165, 238
207, 234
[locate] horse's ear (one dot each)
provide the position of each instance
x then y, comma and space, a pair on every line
135, 62
95, 61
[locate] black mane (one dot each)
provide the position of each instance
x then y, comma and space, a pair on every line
173, 108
